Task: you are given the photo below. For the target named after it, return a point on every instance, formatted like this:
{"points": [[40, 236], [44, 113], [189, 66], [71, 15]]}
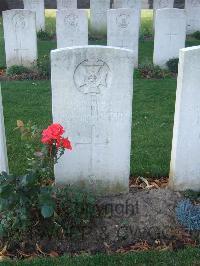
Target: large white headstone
{"points": [[3, 148], [185, 159], [170, 34], [127, 4], [38, 7], [123, 29], [92, 89], [98, 16], [20, 37], [62, 4], [71, 27], [192, 8]]}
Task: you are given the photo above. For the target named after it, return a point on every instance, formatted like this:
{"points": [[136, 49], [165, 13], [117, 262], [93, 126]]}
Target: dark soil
{"points": [[139, 220]]}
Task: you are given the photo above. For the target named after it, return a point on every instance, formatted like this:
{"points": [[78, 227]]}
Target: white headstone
{"points": [[92, 89], [127, 4], [170, 34], [63, 4], [3, 148], [20, 37], [38, 7], [192, 8], [123, 29], [185, 159], [98, 16], [71, 27]]}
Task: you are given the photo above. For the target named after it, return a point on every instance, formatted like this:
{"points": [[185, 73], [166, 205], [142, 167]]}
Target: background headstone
{"points": [[62, 4], [20, 37], [3, 148], [127, 4], [123, 29], [185, 159], [92, 89], [71, 27], [159, 4], [98, 16], [192, 8], [38, 7], [170, 34]]}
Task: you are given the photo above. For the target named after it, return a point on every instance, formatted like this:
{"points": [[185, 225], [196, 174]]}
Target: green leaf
{"points": [[47, 211], [6, 191]]}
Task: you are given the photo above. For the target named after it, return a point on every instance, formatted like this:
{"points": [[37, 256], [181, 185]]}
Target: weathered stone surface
{"points": [[170, 34], [20, 37], [98, 16], [71, 27], [62, 4], [123, 29], [3, 148], [92, 91], [192, 8], [185, 160], [38, 7]]}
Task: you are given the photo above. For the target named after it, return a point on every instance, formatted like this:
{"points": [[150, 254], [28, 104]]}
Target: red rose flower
{"points": [[53, 134], [47, 137], [66, 144], [56, 130]]}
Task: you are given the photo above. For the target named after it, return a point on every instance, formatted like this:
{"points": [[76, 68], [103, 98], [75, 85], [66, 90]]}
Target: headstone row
{"points": [[71, 29], [98, 9], [92, 99]]}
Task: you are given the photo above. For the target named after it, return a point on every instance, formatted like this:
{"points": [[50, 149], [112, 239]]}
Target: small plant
{"points": [[172, 65], [44, 35], [18, 70], [30, 199], [145, 33], [192, 195], [188, 215], [149, 71], [196, 35], [75, 210], [31, 207], [44, 67]]}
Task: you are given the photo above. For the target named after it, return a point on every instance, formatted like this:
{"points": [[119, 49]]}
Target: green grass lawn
{"points": [[186, 257], [153, 107]]}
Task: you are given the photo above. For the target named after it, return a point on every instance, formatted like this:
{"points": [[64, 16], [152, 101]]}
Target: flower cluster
{"points": [[53, 136]]}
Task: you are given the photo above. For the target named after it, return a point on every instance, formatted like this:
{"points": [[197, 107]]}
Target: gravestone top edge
{"points": [[92, 47], [120, 9], [174, 10], [18, 10], [190, 49], [70, 9]]}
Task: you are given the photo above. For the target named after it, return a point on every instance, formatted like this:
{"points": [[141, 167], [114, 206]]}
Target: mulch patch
{"points": [[25, 76], [49, 248]]}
